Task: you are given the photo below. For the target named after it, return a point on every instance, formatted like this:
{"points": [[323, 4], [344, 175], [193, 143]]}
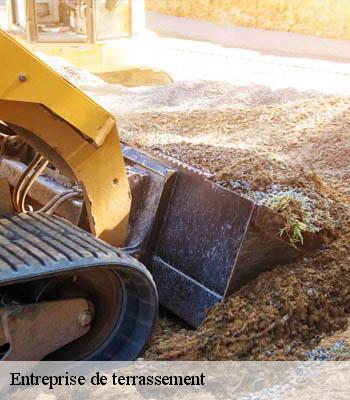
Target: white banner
{"points": [[174, 380]]}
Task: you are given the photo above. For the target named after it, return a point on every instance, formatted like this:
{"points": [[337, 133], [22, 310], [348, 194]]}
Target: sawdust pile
{"points": [[261, 143]]}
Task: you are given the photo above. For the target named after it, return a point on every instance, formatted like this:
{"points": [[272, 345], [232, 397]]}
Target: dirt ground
{"points": [[257, 141], [303, 142]]}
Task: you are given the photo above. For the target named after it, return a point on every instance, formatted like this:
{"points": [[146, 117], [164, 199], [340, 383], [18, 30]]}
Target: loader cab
{"points": [[106, 37], [71, 21]]}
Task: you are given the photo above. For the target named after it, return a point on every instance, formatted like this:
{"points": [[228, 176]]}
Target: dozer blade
{"points": [[51, 269]]}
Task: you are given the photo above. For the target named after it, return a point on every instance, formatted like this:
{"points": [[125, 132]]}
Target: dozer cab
{"points": [[90, 226], [108, 37]]}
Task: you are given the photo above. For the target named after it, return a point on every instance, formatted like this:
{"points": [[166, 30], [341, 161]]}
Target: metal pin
{"points": [[22, 77]]}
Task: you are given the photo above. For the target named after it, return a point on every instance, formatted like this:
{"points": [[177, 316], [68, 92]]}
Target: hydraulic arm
{"points": [[69, 130]]}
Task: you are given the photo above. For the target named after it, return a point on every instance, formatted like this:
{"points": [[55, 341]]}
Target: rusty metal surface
{"points": [[195, 229], [203, 231], [198, 245], [36, 330]]}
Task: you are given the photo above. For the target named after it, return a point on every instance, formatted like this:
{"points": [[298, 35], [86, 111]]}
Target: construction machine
{"points": [[107, 37], [89, 226]]}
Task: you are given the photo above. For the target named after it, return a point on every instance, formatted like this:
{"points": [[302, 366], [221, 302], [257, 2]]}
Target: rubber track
{"points": [[34, 244]]}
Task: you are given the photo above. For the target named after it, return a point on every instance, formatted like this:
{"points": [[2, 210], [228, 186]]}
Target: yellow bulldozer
{"points": [[94, 232]]}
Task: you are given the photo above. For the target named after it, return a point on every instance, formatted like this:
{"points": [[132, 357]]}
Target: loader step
{"points": [[45, 255]]}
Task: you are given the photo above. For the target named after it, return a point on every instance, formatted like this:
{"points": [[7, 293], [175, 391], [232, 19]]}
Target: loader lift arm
{"points": [[71, 131]]}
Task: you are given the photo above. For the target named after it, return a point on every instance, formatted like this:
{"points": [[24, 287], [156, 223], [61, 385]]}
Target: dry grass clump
{"points": [[299, 217]]}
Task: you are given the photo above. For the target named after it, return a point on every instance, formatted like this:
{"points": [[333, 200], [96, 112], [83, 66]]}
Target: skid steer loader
{"points": [[82, 214]]}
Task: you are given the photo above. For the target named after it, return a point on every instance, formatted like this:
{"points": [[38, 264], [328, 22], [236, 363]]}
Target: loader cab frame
{"points": [[71, 21]]}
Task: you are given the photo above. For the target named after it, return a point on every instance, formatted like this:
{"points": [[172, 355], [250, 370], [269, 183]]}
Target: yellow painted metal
{"points": [[50, 89], [69, 129]]}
